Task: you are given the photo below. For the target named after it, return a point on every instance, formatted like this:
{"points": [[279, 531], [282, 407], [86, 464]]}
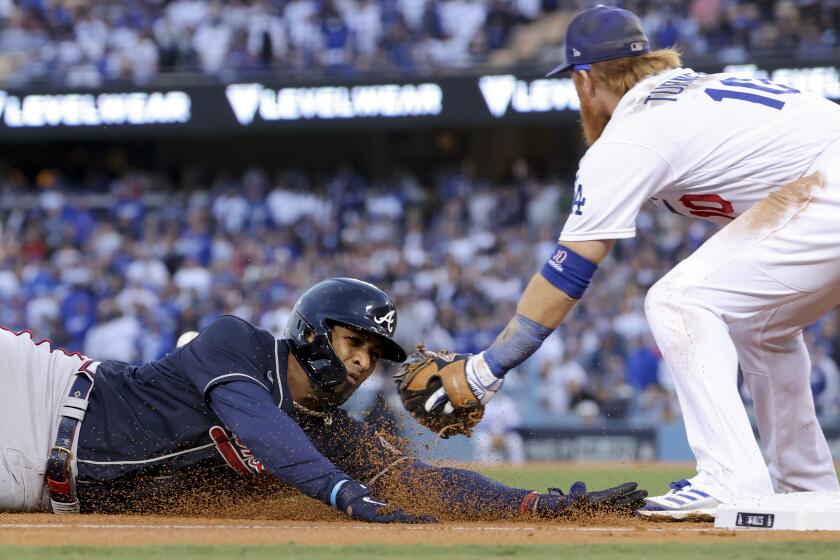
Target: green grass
{"points": [[655, 478], [736, 551]]}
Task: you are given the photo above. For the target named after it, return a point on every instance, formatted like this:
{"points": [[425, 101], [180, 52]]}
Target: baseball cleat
{"points": [[683, 502]]}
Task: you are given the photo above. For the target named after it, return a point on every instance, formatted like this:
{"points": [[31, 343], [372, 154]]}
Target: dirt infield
{"points": [[265, 512], [116, 530]]}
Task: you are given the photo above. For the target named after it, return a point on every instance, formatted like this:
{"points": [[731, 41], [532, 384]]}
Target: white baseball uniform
{"points": [[714, 146], [34, 380]]}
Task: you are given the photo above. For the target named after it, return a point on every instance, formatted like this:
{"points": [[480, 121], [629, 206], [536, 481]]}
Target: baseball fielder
{"points": [[80, 435], [761, 158]]}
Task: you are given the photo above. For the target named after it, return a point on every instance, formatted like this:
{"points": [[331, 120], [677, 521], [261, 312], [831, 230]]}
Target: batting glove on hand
{"points": [[622, 499], [483, 384], [355, 499]]}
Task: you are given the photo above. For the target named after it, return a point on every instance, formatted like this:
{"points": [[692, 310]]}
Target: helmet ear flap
{"points": [[311, 345], [308, 334]]}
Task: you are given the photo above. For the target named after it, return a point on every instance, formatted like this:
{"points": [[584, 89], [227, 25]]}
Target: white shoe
{"points": [[683, 502]]}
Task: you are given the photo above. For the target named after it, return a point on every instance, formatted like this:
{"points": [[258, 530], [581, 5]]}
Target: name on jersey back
{"points": [[672, 87]]}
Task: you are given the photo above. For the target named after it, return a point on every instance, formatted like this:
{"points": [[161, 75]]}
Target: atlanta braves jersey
{"points": [[700, 145], [221, 398]]}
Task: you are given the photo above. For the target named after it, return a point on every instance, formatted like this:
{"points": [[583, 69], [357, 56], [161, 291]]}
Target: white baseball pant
{"points": [[34, 379], [744, 297]]}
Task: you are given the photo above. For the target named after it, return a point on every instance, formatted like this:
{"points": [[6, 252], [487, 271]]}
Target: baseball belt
{"points": [[61, 482]]}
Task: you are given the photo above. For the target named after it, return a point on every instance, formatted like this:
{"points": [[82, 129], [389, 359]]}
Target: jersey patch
{"points": [[235, 453]]}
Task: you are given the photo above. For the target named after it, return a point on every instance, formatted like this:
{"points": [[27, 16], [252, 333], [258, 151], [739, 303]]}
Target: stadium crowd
{"points": [[84, 43], [118, 267]]}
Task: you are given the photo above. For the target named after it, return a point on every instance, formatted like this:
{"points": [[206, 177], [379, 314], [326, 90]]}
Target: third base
{"points": [[799, 511]]}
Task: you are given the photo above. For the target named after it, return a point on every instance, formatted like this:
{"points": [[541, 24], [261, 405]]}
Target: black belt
{"points": [[60, 480]]}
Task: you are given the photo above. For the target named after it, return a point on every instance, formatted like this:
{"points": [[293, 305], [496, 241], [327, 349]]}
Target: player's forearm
{"points": [[549, 297], [280, 444], [543, 303], [541, 309]]}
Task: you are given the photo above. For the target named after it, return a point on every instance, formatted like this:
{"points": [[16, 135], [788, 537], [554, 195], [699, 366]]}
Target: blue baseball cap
{"points": [[603, 33]]}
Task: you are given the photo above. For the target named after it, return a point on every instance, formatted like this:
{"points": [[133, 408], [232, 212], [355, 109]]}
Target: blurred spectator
{"points": [[496, 438], [115, 335], [654, 406], [84, 44], [642, 364], [825, 378], [563, 379]]}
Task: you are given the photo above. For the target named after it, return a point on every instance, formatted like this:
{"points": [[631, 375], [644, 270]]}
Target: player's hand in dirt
{"points": [[622, 499], [355, 499]]}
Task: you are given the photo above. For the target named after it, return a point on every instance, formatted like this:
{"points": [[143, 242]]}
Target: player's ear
{"points": [[583, 83], [587, 84]]}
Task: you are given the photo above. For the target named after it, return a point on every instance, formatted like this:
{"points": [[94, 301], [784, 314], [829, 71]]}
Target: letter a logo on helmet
{"points": [[387, 318]]}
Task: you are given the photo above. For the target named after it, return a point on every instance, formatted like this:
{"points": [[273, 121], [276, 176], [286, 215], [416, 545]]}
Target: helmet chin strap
{"points": [[326, 398]]}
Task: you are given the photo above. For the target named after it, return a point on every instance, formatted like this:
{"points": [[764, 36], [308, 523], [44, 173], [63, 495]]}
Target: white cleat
{"points": [[683, 502]]}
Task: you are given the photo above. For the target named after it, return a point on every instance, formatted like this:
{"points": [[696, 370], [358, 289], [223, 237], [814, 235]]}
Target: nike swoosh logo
{"points": [[368, 500]]}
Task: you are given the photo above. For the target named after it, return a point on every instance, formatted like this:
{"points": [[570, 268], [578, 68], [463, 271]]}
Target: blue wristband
{"points": [[568, 271], [334, 492]]}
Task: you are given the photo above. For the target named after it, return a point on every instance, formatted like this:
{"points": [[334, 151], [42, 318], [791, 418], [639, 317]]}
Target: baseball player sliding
{"points": [[763, 159], [76, 434]]}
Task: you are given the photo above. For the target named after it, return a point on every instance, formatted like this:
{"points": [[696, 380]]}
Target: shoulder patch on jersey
{"points": [[235, 453]]}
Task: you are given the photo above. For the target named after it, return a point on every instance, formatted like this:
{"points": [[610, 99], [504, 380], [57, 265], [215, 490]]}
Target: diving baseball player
{"points": [[759, 157], [81, 435]]}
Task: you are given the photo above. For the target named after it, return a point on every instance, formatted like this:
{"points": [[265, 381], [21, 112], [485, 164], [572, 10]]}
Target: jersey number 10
{"points": [[765, 86]]}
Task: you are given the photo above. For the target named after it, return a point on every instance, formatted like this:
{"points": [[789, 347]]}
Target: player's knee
{"points": [[663, 300]]}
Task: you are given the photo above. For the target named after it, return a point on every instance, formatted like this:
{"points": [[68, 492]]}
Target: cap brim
{"points": [[562, 68], [393, 351]]}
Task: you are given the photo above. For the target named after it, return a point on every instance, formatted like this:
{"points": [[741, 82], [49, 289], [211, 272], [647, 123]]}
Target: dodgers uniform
{"points": [[714, 147]]}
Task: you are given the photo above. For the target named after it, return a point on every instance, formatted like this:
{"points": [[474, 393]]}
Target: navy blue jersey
{"points": [[222, 398], [353, 446], [158, 416]]}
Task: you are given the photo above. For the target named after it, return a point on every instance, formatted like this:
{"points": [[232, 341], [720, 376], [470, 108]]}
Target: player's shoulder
{"points": [[230, 324], [639, 124], [232, 330]]}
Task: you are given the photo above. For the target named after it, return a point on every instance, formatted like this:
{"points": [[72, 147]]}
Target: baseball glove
{"points": [[423, 373]]}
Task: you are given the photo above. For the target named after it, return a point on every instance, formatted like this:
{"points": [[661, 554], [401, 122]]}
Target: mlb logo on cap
{"points": [[603, 33]]}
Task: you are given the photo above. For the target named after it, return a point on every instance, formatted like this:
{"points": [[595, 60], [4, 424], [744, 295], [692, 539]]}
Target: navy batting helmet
{"points": [[345, 301]]}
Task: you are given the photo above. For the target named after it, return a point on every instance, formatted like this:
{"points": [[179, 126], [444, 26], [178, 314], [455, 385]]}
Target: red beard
{"points": [[592, 121]]}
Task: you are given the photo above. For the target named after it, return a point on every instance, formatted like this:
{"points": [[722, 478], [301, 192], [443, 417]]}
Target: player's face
{"points": [[359, 351]]}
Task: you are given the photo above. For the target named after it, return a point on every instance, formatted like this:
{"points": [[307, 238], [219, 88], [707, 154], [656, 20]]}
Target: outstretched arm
{"points": [[359, 450], [286, 452], [468, 495], [550, 295]]}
